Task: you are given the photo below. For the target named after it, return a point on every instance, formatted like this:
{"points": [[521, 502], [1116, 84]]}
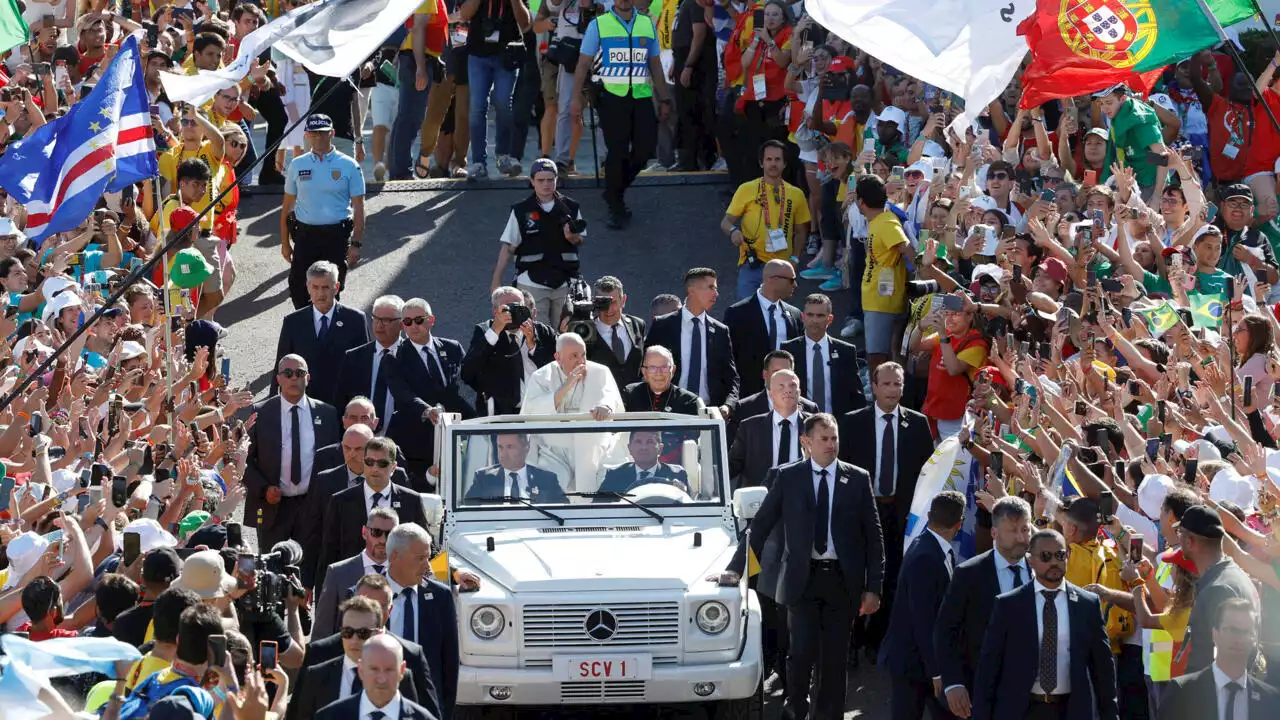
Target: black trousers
{"points": [[1131, 684], [630, 130], [911, 697], [870, 630], [271, 107], [695, 131], [312, 243], [290, 519], [774, 638], [820, 624], [761, 121], [1047, 711]]}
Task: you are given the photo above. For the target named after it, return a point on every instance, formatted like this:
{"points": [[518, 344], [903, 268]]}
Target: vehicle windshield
{"points": [[652, 464]]}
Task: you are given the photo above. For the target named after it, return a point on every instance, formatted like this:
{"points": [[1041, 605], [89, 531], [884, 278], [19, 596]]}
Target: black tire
{"points": [[469, 712]]}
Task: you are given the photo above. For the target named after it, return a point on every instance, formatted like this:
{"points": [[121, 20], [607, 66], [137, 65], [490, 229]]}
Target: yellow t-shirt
{"points": [[428, 7], [170, 204], [884, 283], [144, 668], [169, 162], [761, 208]]}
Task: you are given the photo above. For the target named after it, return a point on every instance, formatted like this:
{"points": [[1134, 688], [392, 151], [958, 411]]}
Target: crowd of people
{"points": [[1036, 465]]}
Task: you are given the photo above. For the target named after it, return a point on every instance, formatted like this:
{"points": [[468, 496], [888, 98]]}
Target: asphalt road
{"points": [[441, 245]]}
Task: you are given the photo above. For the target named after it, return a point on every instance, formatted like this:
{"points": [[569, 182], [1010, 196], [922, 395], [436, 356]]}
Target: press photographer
{"points": [[543, 233], [764, 219], [268, 609]]}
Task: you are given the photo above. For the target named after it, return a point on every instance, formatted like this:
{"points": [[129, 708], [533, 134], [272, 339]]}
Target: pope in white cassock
{"points": [[573, 385]]}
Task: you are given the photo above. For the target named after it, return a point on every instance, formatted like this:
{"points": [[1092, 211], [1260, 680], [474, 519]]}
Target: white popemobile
{"points": [[599, 594]]}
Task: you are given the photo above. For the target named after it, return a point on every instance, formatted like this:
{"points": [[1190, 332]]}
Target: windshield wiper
{"points": [[523, 501], [625, 497]]}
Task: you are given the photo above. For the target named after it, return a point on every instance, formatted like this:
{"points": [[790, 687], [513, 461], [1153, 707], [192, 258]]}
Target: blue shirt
{"points": [[591, 38], [324, 187]]}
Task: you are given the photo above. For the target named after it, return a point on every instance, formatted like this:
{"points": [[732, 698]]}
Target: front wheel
{"points": [[748, 708]]}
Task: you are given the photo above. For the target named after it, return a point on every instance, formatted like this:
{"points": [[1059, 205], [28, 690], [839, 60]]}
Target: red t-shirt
{"points": [[1241, 139], [37, 636]]}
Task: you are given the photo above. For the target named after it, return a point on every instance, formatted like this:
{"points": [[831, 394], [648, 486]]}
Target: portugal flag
{"points": [[1082, 46]]}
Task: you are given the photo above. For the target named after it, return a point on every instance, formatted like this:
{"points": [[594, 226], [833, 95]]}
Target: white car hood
{"points": [[648, 558]]}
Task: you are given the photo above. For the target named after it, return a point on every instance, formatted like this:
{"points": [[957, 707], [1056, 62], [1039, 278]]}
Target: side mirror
{"points": [[432, 510], [746, 501]]}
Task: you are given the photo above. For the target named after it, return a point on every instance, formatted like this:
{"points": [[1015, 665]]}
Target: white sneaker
{"points": [[852, 327], [477, 171], [380, 173], [508, 166], [720, 166]]}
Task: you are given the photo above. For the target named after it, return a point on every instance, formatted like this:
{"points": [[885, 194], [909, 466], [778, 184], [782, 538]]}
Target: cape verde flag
{"points": [[102, 144]]}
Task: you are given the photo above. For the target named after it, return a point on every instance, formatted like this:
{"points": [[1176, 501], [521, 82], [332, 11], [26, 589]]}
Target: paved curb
{"points": [[577, 182]]}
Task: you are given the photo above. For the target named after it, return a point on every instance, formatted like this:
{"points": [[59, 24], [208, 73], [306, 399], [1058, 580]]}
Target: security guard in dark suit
{"points": [[618, 342]]}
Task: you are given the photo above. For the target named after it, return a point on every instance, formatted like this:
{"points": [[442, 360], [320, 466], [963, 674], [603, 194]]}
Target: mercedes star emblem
{"points": [[601, 624]]}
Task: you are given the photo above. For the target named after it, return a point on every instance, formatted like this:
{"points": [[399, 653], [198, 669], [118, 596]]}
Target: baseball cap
{"points": [[840, 63], [1202, 520], [1099, 132], [1151, 493], [1236, 190], [543, 165], [986, 203], [1083, 510], [161, 565], [181, 217], [1177, 557], [152, 535], [319, 123], [1055, 269], [190, 269], [1117, 88], [1164, 101], [191, 523], [130, 349], [893, 115]]}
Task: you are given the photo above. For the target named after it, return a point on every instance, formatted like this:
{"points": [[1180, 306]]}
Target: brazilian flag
{"points": [[1206, 309], [1159, 318]]}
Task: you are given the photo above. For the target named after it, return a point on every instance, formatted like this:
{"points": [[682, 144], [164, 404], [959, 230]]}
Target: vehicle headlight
{"points": [[712, 617], [487, 622]]}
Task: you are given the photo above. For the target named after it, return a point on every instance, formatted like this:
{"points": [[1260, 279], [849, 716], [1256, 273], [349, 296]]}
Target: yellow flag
{"points": [[753, 564], [440, 567]]}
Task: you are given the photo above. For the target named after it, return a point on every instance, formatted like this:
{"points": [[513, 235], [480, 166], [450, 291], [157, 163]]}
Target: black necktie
{"points": [[695, 358], [784, 442], [376, 715], [818, 378], [433, 368], [324, 328], [1233, 689], [377, 498], [1049, 644], [951, 559], [888, 448], [644, 476], [773, 327], [357, 687], [515, 484], [1017, 575], [356, 481], [822, 514], [295, 447], [380, 387], [619, 351], [378, 569], [408, 626]]}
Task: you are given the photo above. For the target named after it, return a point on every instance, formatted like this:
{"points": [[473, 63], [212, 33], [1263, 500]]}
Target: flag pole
{"points": [[1266, 23], [1239, 60], [151, 263], [170, 399]]}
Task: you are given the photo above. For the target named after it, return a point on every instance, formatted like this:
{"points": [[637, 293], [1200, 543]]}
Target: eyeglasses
{"points": [[236, 143], [385, 319], [187, 123], [790, 279], [421, 320], [1051, 555], [291, 373], [362, 633], [371, 462], [1000, 175], [229, 98], [658, 368], [377, 532]]}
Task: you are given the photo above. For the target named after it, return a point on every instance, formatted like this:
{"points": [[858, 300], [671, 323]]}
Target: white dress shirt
{"points": [[878, 416], [1220, 680], [307, 435], [1005, 576], [830, 554], [522, 481], [369, 563], [390, 711], [776, 420], [526, 350], [765, 304], [947, 550], [825, 369], [384, 501], [653, 471], [316, 315], [1064, 638], [383, 412], [428, 355], [345, 688], [607, 331], [686, 352]]}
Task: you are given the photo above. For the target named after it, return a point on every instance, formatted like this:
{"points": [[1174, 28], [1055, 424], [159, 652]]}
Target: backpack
{"points": [[155, 686]]}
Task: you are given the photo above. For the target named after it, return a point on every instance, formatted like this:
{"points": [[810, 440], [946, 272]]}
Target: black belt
{"points": [[1058, 699], [825, 565]]}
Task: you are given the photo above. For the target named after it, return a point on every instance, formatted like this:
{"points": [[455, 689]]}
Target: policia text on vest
{"points": [[624, 44]]}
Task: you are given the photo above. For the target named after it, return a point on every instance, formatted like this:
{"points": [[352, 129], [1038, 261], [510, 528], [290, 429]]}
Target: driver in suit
{"points": [[645, 447], [513, 476]]}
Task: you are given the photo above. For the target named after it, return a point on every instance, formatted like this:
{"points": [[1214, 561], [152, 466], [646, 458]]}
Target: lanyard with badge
{"points": [[759, 87], [776, 240], [1236, 123]]}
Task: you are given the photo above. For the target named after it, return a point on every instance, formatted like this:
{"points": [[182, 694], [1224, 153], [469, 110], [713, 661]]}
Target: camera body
{"points": [[520, 313], [277, 575]]}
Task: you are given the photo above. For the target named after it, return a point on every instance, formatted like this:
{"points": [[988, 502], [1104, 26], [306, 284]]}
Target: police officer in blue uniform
{"points": [[323, 213]]}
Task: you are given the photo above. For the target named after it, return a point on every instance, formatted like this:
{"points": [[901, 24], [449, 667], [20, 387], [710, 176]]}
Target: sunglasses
{"points": [[377, 532], [1050, 180], [291, 373], [998, 176], [187, 123], [415, 321], [383, 463], [385, 319], [230, 98], [362, 633], [236, 143], [1051, 555]]}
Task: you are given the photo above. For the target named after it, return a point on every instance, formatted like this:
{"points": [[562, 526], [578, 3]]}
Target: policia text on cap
{"points": [[323, 213], [630, 68]]}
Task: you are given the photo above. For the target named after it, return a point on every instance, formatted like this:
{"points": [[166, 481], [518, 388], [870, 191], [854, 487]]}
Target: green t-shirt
{"points": [[1206, 283], [1134, 129]]}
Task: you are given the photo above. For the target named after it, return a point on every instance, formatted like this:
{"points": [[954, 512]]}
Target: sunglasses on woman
{"points": [[362, 633]]}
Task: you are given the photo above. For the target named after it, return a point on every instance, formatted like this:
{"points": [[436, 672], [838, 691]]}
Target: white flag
{"points": [[329, 37], [978, 56]]}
